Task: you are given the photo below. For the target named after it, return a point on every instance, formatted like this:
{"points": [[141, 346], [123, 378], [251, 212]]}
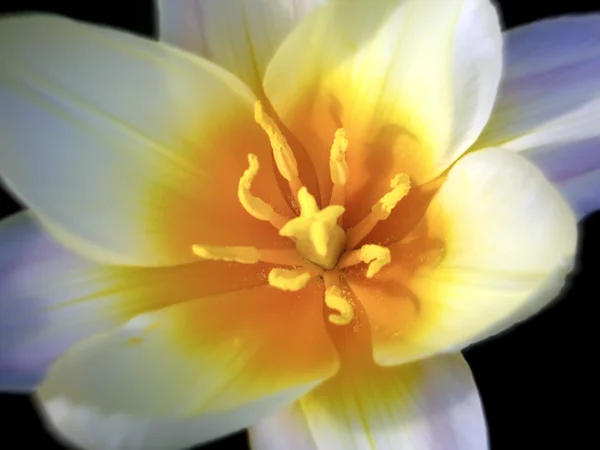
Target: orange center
{"points": [[324, 247]]}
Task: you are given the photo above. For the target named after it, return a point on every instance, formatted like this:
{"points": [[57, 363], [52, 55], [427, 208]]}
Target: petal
{"points": [[239, 35], [412, 83], [130, 152], [52, 298], [36, 276], [432, 404], [91, 429], [574, 168], [505, 240], [200, 358], [549, 104]]}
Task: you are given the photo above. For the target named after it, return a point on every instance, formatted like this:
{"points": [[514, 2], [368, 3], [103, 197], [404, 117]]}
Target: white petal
{"points": [[120, 144], [36, 277], [286, 430], [193, 362], [412, 82], [549, 104], [432, 404], [91, 429], [240, 35], [504, 241]]}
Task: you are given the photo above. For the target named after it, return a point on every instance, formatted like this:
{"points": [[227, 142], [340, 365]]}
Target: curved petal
{"points": [[52, 298], [239, 35], [91, 429], [412, 82], [36, 276], [495, 246], [432, 404], [200, 358], [549, 104], [129, 152]]}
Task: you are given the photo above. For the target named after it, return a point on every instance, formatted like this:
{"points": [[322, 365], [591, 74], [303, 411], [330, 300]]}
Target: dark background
{"points": [[538, 382]]}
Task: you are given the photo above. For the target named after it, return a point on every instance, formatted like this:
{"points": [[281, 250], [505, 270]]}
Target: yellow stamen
{"points": [[243, 255], [250, 255], [256, 207], [335, 299], [282, 153], [317, 235], [338, 169], [376, 257], [289, 280], [400, 185]]}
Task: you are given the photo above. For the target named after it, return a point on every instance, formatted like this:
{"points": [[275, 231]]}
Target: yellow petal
{"points": [[239, 35], [129, 151], [495, 246], [420, 406], [200, 358], [412, 82]]}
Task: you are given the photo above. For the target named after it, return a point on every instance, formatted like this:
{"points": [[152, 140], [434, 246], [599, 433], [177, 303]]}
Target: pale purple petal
{"points": [[549, 104], [36, 276]]}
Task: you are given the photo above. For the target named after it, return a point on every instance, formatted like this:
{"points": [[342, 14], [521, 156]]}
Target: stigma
{"points": [[323, 247]]}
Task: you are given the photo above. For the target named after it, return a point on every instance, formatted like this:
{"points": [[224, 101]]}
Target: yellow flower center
{"points": [[323, 246]]}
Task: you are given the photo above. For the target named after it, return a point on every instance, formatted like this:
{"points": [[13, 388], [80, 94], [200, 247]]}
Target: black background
{"points": [[538, 382]]}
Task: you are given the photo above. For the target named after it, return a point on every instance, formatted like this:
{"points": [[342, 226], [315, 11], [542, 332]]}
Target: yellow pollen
{"points": [[243, 255], [317, 235], [399, 187], [289, 280], [376, 257], [282, 153]]}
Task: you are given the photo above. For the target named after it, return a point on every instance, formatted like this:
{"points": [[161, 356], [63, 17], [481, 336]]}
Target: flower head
{"points": [[313, 216]]}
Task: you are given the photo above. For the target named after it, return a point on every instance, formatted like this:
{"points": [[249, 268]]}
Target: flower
{"points": [[298, 231]]}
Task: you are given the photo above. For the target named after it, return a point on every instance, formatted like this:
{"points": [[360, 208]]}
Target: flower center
{"points": [[323, 246]]}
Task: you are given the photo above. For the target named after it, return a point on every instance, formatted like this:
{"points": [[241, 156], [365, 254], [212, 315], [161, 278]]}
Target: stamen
{"points": [[243, 255], [282, 153], [282, 257], [289, 280], [400, 185], [376, 257], [335, 299], [248, 255], [256, 207], [338, 168]]}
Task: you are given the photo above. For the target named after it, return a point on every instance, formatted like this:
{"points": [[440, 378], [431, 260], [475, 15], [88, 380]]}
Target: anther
{"points": [[291, 280], [282, 153], [338, 169], [400, 185], [256, 207], [336, 300]]}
